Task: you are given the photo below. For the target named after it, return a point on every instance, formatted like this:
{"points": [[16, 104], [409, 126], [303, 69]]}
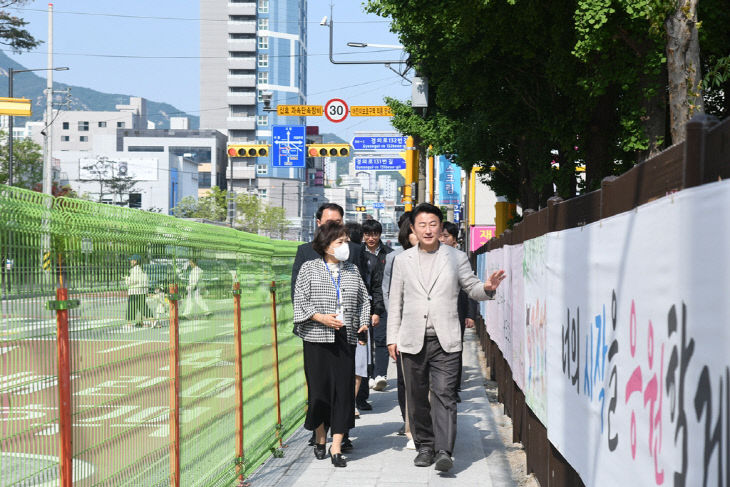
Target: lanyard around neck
{"points": [[335, 284]]}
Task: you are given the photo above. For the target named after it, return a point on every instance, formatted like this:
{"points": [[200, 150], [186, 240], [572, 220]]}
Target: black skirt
{"points": [[330, 372]]}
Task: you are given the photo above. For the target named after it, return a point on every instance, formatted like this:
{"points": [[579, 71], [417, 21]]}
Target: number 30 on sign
{"points": [[336, 110]]}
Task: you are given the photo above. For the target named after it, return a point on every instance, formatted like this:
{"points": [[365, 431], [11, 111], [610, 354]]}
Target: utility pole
{"points": [[48, 139], [10, 130]]}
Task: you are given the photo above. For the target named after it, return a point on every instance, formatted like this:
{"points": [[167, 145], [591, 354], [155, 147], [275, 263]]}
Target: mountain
{"points": [[31, 86]]}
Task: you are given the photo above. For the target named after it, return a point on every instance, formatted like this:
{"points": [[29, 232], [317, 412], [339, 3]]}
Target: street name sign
{"points": [[379, 163], [288, 142], [300, 110], [379, 143], [378, 205]]}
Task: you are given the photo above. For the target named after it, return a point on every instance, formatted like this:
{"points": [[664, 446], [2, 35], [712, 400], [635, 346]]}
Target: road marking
{"points": [[121, 347]]}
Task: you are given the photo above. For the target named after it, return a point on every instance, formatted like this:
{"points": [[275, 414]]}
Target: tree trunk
{"points": [[683, 67], [655, 120], [599, 139]]}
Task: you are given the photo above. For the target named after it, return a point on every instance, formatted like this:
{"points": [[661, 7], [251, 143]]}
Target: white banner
{"points": [[139, 169], [626, 341]]}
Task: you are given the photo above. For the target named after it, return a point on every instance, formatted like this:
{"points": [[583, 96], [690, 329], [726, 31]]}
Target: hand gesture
{"points": [[330, 320], [494, 281], [362, 328]]}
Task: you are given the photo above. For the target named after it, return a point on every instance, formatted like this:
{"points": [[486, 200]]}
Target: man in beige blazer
{"points": [[425, 334]]}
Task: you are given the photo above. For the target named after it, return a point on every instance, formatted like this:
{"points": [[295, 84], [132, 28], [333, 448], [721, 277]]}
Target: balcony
{"points": [[242, 80], [241, 123], [241, 27], [240, 8], [242, 99], [248, 172], [242, 62]]}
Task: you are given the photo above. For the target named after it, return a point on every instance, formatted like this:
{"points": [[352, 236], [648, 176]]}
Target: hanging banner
{"points": [[481, 234], [449, 182]]}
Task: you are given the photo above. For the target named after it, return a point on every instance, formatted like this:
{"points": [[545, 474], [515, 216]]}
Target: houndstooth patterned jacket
{"points": [[315, 292]]}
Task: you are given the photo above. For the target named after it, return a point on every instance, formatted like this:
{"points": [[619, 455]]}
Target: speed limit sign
{"points": [[336, 110]]}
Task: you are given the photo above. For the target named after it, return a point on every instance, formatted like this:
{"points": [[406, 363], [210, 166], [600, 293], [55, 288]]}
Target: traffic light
{"points": [[361, 209], [328, 150], [248, 150]]}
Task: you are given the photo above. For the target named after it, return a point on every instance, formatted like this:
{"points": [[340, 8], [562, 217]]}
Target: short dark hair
{"points": [[403, 233], [426, 208], [354, 230], [372, 226], [326, 234], [329, 206], [453, 229], [405, 217]]}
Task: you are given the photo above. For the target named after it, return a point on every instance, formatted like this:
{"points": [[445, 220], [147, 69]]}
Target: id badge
{"points": [[340, 314]]}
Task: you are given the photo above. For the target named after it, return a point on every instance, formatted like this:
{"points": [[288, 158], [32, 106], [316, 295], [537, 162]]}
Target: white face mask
{"points": [[342, 253]]}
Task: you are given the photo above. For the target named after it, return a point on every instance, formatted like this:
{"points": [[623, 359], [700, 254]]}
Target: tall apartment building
{"points": [[248, 48]]}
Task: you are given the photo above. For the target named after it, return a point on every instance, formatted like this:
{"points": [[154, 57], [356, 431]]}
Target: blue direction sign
{"points": [[378, 205], [288, 144], [379, 143], [379, 163]]}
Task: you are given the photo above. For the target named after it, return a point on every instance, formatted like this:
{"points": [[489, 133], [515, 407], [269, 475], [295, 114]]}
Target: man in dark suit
{"points": [[325, 213]]}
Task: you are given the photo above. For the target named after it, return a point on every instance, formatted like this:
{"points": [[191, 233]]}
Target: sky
{"points": [[151, 48]]}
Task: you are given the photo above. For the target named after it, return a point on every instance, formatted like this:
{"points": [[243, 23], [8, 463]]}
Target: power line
{"points": [[187, 19]]}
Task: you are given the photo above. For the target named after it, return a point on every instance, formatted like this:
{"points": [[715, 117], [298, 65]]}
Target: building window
{"points": [[65, 138], [203, 180], [145, 148], [102, 124], [262, 120], [263, 60], [263, 24], [83, 126], [65, 125], [263, 6], [135, 200], [84, 138], [120, 125], [263, 77], [259, 96], [263, 192], [263, 42], [261, 169]]}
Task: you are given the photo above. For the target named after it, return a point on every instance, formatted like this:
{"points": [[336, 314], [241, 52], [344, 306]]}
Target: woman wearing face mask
{"points": [[331, 307]]}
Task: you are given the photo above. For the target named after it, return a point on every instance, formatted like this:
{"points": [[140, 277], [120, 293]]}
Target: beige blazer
{"points": [[412, 300]]}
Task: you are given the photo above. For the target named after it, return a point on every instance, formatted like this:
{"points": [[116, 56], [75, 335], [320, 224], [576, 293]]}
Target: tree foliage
{"points": [[12, 28], [27, 163], [112, 179], [525, 84]]}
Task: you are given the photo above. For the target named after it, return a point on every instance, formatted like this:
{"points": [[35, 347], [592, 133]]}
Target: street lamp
{"points": [[368, 44], [12, 72]]}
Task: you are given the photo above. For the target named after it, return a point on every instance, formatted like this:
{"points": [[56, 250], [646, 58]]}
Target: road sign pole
{"points": [[174, 392]]}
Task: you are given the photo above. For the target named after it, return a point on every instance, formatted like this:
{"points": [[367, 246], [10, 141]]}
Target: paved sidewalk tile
{"points": [[380, 458]]}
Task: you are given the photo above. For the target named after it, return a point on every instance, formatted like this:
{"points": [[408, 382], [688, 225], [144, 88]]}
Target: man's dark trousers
{"points": [[433, 423]]}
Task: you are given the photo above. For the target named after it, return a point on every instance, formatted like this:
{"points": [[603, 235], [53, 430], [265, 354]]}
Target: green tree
{"points": [[273, 221], [112, 178], [12, 28], [27, 163], [209, 207]]}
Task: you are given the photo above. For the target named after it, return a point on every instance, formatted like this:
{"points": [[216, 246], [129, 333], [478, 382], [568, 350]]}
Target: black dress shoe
{"points": [[312, 439], [364, 406], [346, 444], [337, 459], [443, 461], [402, 430], [320, 452], [424, 458]]}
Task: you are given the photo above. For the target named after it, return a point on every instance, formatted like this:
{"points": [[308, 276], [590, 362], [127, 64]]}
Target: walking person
{"points": [[195, 284], [330, 308], [466, 307], [424, 329], [137, 288], [374, 254], [327, 212]]}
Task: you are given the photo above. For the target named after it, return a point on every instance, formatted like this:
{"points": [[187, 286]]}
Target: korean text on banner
{"points": [[449, 182]]}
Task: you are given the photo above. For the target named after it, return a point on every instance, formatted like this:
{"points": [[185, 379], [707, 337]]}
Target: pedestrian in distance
{"points": [[330, 308], [195, 286], [374, 254], [466, 307], [137, 286], [423, 327]]}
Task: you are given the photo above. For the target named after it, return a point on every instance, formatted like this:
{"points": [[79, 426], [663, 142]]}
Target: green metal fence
{"points": [[123, 414]]}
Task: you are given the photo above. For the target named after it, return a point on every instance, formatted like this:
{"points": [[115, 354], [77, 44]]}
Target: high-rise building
{"points": [[251, 48]]}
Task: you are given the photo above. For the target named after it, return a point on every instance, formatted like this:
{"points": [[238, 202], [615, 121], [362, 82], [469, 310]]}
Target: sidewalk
{"points": [[379, 457]]}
